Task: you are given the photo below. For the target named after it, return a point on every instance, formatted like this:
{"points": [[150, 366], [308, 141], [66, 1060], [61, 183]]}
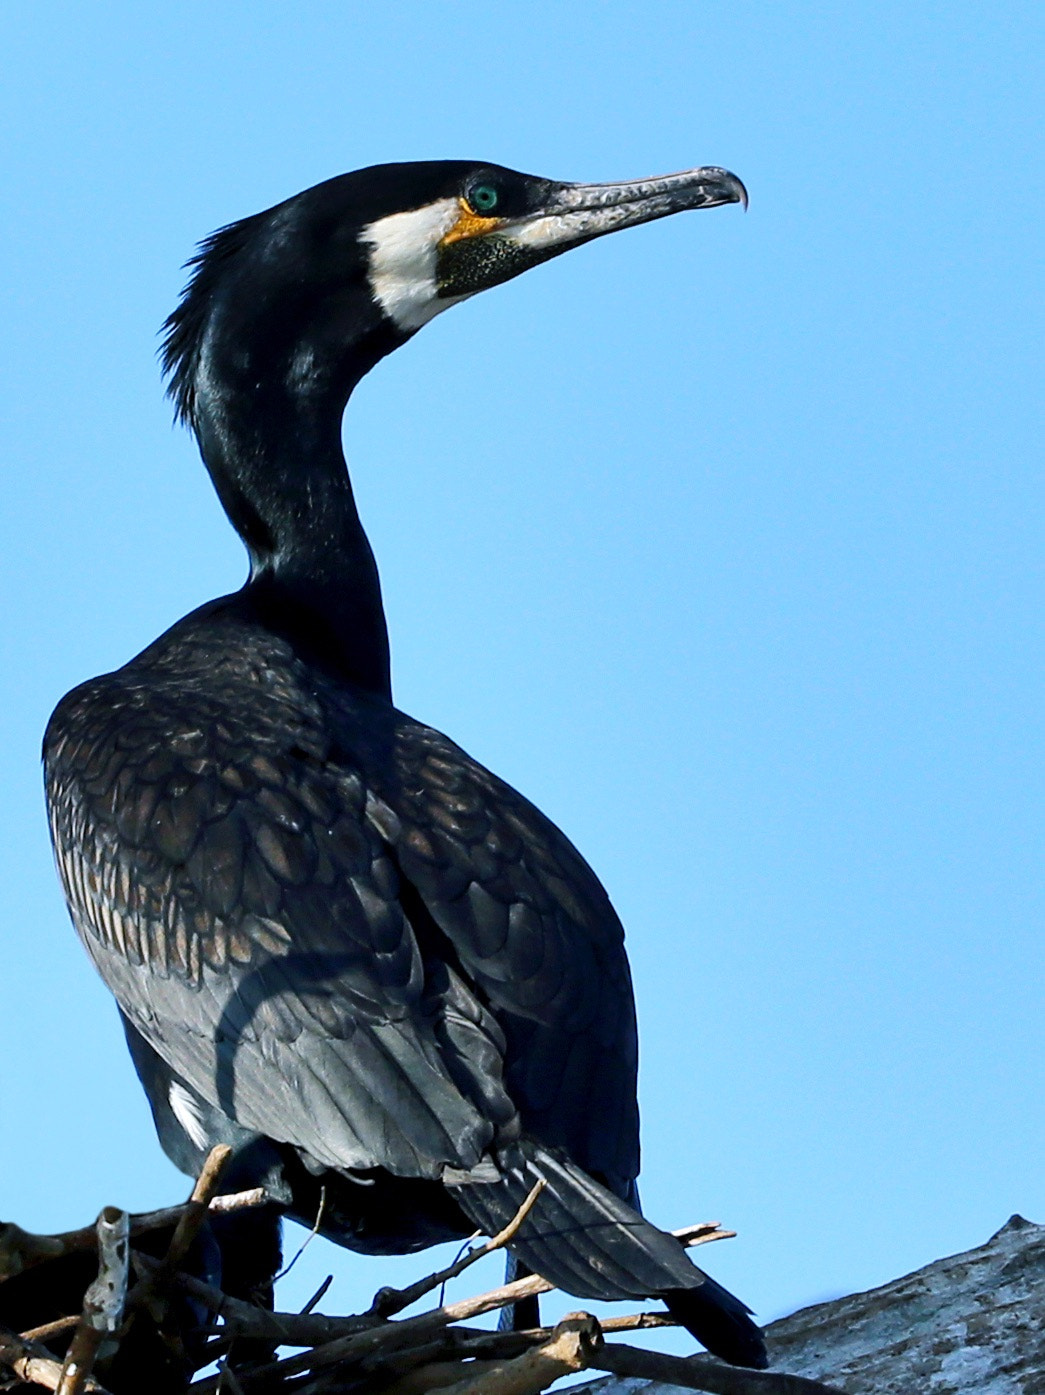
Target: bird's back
{"points": [[330, 922]]}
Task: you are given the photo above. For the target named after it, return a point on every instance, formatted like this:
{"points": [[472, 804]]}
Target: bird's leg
{"points": [[250, 1246], [525, 1313]]}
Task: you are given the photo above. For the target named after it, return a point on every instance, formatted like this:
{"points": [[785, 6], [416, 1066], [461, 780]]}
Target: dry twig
{"points": [[190, 1222], [702, 1233], [34, 1364], [638, 1322], [22, 1249], [195, 1210], [388, 1301], [49, 1330], [317, 1296]]}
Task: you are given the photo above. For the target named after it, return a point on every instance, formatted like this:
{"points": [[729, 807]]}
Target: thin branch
{"points": [[34, 1364], [702, 1233], [79, 1360], [637, 1322], [459, 1253], [22, 1249], [318, 1295], [388, 1301], [500, 1297], [308, 1238], [702, 1373], [195, 1213], [49, 1330], [103, 1303], [190, 1222], [220, 1205]]}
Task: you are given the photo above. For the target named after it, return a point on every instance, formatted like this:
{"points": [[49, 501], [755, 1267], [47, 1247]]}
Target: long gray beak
{"points": [[566, 215], [578, 212]]}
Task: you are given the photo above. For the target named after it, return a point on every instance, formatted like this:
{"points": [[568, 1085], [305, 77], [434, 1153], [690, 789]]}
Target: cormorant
{"points": [[337, 942]]}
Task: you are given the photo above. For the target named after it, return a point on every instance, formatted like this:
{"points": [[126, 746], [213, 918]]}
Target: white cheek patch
{"points": [[188, 1114], [403, 252]]}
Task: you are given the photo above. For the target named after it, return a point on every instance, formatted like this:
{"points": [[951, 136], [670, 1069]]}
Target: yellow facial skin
{"points": [[470, 224]]}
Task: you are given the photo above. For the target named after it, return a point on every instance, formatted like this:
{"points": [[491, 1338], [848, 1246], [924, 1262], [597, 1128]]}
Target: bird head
{"points": [[311, 293], [486, 224]]}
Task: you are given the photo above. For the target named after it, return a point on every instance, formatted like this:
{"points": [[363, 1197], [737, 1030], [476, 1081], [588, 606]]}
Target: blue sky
{"points": [[720, 539]]}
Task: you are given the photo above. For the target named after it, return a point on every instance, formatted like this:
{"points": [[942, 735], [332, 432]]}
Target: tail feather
{"points": [[585, 1240], [719, 1321]]}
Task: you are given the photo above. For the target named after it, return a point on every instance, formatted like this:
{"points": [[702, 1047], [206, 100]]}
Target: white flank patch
{"points": [[485, 1170], [403, 250], [188, 1113]]}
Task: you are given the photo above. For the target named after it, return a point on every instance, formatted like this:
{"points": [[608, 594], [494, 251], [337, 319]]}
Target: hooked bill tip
{"points": [[736, 187]]}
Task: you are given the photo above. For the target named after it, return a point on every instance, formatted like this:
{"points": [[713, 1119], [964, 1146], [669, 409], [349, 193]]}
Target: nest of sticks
{"points": [[125, 1296]]}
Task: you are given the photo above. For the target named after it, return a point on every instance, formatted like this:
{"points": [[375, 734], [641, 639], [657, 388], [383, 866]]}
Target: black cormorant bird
{"points": [[337, 942]]}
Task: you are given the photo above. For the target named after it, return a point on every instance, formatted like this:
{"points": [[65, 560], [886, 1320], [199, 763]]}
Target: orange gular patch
{"points": [[469, 224]]}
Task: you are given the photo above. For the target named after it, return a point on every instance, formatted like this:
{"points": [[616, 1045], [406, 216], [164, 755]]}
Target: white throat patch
{"points": [[403, 251]]}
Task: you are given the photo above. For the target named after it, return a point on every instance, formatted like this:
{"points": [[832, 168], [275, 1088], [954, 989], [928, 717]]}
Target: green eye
{"points": [[483, 198]]}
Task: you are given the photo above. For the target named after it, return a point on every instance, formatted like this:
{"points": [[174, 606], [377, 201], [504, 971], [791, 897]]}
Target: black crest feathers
{"points": [[185, 326]]}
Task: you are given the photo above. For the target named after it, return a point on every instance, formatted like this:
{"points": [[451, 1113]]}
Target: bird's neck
{"points": [[270, 436]]}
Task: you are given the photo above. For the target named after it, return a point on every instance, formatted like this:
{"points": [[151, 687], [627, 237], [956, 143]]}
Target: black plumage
{"points": [[338, 942]]}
